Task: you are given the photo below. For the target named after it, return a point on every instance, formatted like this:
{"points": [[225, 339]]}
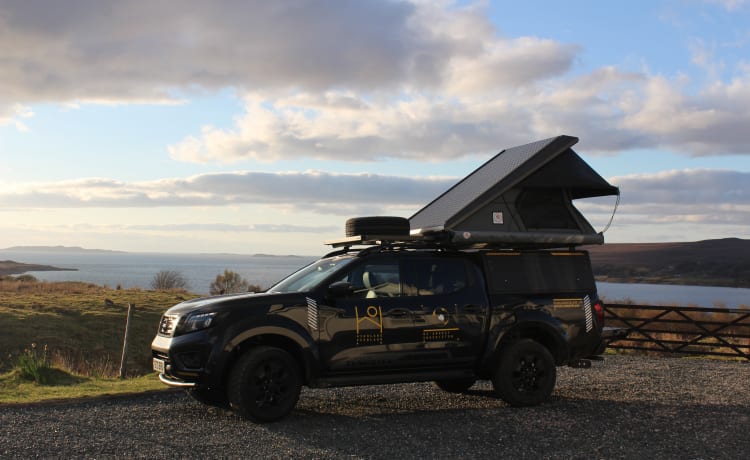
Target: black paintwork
{"points": [[341, 337]]}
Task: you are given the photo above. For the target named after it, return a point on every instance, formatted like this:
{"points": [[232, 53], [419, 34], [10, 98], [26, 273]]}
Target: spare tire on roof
{"points": [[378, 225]]}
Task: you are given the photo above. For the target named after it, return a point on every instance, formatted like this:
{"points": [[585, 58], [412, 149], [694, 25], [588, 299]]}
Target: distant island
{"points": [[80, 250], [58, 249], [9, 267], [721, 262]]}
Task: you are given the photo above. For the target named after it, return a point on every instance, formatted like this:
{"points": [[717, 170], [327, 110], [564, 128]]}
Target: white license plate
{"points": [[159, 365]]}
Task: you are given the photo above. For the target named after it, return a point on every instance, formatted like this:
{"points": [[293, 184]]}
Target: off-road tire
{"points": [[456, 385], [264, 384], [525, 374], [377, 225]]}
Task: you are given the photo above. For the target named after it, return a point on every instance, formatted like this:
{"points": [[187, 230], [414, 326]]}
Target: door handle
{"points": [[472, 309], [398, 312]]}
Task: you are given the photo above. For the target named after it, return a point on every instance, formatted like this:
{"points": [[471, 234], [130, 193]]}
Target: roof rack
{"points": [[387, 240], [447, 239]]}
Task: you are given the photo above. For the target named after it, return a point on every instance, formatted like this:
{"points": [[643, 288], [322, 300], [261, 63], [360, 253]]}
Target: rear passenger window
{"points": [[539, 272], [423, 277]]}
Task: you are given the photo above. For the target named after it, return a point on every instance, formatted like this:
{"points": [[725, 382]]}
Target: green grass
{"points": [[64, 340], [14, 389]]}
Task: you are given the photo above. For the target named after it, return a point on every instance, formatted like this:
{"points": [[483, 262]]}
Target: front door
{"points": [[405, 313], [372, 328]]}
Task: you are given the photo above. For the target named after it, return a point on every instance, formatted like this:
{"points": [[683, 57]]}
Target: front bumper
{"points": [[174, 382], [184, 359]]}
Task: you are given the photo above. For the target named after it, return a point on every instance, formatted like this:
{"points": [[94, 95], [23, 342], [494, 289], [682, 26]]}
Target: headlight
{"points": [[195, 322]]}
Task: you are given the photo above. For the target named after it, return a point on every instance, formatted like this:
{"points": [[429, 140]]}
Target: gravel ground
{"points": [[624, 407]]}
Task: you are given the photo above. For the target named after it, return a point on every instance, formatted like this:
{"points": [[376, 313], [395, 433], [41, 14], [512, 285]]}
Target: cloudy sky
{"points": [[258, 126]]}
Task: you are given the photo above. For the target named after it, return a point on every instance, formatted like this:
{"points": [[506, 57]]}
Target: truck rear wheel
{"points": [[264, 384], [526, 373]]}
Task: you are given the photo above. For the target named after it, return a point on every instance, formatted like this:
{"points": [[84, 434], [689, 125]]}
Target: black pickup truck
{"points": [[388, 310]]}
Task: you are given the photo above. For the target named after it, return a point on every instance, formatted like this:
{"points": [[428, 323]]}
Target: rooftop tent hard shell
{"points": [[522, 196]]}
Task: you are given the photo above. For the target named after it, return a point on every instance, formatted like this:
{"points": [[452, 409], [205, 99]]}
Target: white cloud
{"points": [[704, 202], [729, 5], [692, 196], [14, 114], [140, 50], [231, 228], [359, 80], [325, 192]]}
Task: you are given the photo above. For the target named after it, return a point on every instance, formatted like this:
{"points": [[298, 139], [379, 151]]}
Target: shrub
{"points": [[167, 280], [229, 282], [26, 278], [33, 365]]}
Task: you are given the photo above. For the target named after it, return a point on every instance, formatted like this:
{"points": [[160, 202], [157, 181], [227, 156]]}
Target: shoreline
{"points": [[10, 267]]}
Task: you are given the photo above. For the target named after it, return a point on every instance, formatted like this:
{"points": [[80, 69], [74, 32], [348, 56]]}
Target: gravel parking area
{"points": [[624, 407]]}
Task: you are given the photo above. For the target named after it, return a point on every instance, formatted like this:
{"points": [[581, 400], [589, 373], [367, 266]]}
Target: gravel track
{"points": [[624, 407]]}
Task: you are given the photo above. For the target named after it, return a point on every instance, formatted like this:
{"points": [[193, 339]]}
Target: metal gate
{"points": [[682, 330]]}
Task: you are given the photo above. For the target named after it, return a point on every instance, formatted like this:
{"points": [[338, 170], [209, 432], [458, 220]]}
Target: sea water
{"points": [[129, 270]]}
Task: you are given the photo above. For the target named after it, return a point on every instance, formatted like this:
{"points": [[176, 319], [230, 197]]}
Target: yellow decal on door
{"points": [[440, 335], [366, 333]]}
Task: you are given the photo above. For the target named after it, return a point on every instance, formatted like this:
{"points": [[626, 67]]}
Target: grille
{"points": [[167, 325]]}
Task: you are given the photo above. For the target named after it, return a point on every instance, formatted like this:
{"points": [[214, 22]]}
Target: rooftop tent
{"points": [[521, 196]]}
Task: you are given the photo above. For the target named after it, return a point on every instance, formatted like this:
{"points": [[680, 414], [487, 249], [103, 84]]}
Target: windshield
{"points": [[310, 276]]}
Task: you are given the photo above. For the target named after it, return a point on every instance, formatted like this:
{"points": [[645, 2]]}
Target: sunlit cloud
{"points": [[324, 192]]}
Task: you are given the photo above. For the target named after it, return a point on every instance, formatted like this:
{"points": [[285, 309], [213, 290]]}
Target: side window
{"points": [[379, 278], [424, 277]]}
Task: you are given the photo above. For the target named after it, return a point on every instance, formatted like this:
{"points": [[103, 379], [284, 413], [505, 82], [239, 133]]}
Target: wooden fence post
{"points": [[131, 307]]}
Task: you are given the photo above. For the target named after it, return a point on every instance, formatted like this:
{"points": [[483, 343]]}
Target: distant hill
{"points": [[722, 262], [62, 249]]}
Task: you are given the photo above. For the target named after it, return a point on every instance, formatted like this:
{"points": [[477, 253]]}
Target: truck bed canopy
{"points": [[521, 196]]}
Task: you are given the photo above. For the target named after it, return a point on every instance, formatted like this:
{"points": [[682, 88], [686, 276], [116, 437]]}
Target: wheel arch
{"points": [[297, 346], [552, 338]]}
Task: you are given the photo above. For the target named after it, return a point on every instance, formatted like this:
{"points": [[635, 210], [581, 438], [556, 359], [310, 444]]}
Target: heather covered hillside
{"points": [[722, 262]]}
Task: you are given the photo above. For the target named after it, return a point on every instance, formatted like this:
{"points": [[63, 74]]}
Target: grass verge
{"points": [[81, 325], [65, 386], [64, 340]]}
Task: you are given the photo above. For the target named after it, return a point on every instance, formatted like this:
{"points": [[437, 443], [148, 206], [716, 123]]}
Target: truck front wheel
{"points": [[526, 374], [264, 384]]}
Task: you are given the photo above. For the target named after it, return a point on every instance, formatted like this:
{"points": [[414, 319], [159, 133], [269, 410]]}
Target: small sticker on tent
{"points": [[497, 217]]}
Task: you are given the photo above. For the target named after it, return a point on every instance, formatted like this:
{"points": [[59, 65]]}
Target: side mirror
{"points": [[340, 289]]}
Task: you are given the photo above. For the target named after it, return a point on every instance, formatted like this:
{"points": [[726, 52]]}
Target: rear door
{"points": [[450, 308]]}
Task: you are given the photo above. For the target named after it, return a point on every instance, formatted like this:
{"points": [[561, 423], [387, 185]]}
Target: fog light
{"points": [[190, 360]]}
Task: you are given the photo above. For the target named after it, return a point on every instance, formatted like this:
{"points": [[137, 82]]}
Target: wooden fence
{"points": [[681, 330]]}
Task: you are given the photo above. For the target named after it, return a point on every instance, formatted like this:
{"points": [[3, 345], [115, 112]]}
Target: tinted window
{"points": [[433, 276], [539, 272], [375, 278], [391, 277]]}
